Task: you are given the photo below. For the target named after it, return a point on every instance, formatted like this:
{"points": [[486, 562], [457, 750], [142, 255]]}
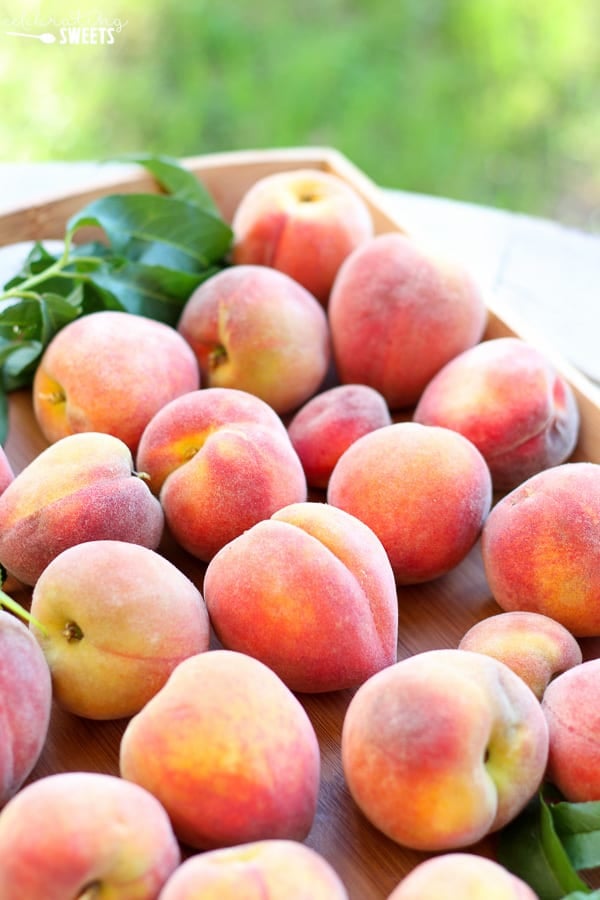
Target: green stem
{"points": [[57, 268], [20, 611]]}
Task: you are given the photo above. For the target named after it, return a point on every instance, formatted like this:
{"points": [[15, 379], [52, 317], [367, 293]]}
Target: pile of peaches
{"points": [[325, 424]]}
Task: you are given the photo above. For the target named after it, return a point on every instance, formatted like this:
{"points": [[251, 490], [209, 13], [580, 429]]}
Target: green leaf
{"points": [[583, 895], [199, 235], [578, 827], [174, 178], [530, 847], [37, 260], [153, 291]]}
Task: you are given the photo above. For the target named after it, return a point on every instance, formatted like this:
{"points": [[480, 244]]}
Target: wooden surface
{"points": [[431, 615]]}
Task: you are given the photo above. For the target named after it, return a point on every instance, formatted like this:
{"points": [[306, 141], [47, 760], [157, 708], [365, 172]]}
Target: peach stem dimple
{"points": [[72, 632], [217, 357]]}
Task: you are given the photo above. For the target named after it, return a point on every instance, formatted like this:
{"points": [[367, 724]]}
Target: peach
{"points": [[509, 400], [228, 750], [463, 875], [25, 702], [83, 487], [398, 313], [443, 748], [425, 492], [303, 222], [319, 603], [262, 870], [571, 705], [7, 473], [540, 547], [534, 646], [220, 460], [328, 423], [77, 834], [256, 329], [110, 371], [111, 643]]}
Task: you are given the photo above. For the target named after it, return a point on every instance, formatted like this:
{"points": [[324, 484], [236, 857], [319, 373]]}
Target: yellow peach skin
{"points": [[83, 487], [263, 870], [509, 400], [398, 313], [77, 834], [443, 748], [228, 750], [221, 460], [534, 646], [117, 619], [304, 223], [257, 330], [540, 547], [25, 704], [319, 603], [461, 875], [110, 371], [424, 491]]}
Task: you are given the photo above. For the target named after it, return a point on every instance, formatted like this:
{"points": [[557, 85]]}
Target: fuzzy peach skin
{"points": [[541, 551], [81, 488], [228, 750], [262, 870], [304, 222], [509, 400], [258, 330], [398, 313], [25, 704], [319, 603], [328, 423], [571, 705], [443, 748], [110, 371], [77, 834], [461, 875], [424, 491], [534, 646], [220, 460], [118, 618]]}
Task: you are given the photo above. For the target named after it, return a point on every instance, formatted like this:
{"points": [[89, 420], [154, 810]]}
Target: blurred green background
{"points": [[489, 101]]}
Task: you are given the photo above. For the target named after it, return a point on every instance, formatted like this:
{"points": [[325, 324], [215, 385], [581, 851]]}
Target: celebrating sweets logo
{"points": [[78, 28]]}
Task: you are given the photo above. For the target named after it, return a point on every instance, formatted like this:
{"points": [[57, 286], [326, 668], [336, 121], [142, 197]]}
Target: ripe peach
{"points": [[398, 313], [509, 400], [258, 330], [6, 470], [83, 487], [571, 705], [534, 646], [463, 875], [328, 423], [303, 222], [228, 750], [77, 834], [110, 371], [424, 491], [262, 870], [319, 604], [443, 748], [111, 643], [25, 702], [540, 547], [221, 460]]}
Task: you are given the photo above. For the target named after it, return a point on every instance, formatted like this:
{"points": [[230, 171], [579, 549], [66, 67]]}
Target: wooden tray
{"points": [[431, 615]]}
